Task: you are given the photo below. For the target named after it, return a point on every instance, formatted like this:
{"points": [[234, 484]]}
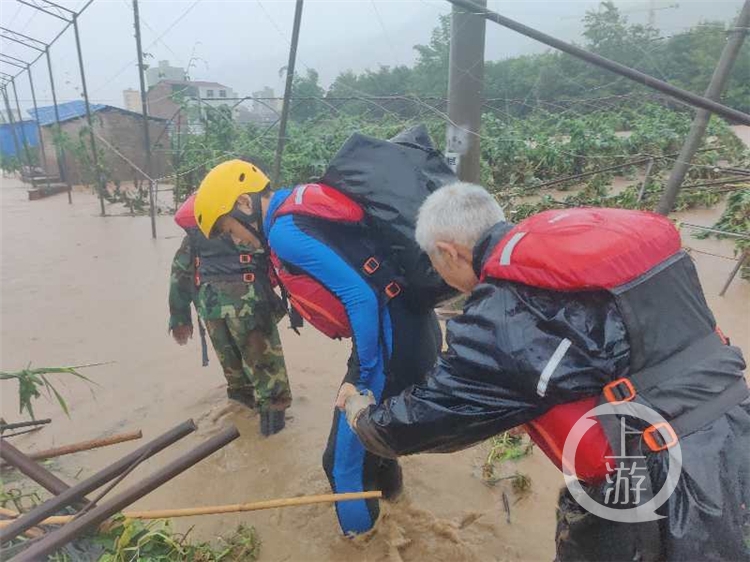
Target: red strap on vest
{"points": [[323, 201]]}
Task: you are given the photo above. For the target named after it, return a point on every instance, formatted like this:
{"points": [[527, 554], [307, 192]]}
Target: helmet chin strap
{"points": [[254, 221]]}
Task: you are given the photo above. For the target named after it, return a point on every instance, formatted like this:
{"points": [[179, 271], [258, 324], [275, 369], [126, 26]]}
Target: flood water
{"points": [[77, 288]]}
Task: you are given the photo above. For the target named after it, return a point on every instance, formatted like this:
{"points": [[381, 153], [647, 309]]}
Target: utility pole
{"points": [[287, 93], [700, 121], [144, 110], [465, 85]]}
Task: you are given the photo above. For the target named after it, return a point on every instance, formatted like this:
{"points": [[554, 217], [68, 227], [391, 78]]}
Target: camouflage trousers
{"points": [[252, 359]]}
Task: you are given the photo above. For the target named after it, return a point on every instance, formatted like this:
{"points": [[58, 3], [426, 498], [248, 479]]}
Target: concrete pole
{"points": [[465, 85], [144, 110], [287, 93], [700, 121]]}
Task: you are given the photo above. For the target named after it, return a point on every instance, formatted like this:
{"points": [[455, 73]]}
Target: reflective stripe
{"points": [[549, 368], [559, 217], [298, 193], [509, 247]]}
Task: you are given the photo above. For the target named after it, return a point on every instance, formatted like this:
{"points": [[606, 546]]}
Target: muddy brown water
{"points": [[77, 288]]}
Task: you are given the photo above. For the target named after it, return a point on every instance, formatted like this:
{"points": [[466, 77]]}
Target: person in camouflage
{"points": [[240, 311]]}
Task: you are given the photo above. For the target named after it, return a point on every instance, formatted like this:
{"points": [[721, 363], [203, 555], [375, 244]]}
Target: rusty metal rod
{"points": [[93, 518], [85, 445], [37, 473], [95, 481]]}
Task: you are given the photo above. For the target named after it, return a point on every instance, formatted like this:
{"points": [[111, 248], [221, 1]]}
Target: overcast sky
{"points": [[244, 43]]}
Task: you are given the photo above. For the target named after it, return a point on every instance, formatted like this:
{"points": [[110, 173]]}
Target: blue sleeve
{"points": [[294, 246]]}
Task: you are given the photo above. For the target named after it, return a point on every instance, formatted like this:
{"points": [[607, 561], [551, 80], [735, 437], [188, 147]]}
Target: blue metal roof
{"points": [[68, 110]]}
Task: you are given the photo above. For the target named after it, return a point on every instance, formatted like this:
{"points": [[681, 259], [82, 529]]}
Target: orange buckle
{"points": [[393, 290], [371, 266], [619, 391], [246, 258], [248, 277], [656, 440]]}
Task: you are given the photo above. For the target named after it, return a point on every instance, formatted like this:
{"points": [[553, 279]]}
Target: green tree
{"points": [[306, 86]]}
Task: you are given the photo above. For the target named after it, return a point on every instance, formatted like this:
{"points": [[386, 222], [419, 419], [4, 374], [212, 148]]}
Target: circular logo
{"points": [[624, 477]]}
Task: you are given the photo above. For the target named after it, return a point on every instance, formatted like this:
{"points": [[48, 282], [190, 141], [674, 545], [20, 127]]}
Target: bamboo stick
{"points": [[230, 508], [85, 445], [33, 533]]}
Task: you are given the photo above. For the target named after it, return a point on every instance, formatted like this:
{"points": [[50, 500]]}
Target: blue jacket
{"points": [[296, 242]]}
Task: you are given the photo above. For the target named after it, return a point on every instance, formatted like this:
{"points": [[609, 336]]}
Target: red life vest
{"points": [[578, 250], [314, 302]]}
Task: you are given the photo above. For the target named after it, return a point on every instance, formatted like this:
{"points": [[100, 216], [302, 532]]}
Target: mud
{"points": [[77, 288]]}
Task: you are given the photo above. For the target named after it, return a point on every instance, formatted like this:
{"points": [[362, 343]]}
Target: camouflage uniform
{"points": [[241, 321]]}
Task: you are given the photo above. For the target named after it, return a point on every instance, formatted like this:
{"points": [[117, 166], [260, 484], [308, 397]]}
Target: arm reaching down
{"points": [[300, 249], [509, 360]]}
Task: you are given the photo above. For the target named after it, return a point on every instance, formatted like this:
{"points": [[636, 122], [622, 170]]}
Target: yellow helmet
{"points": [[220, 189]]}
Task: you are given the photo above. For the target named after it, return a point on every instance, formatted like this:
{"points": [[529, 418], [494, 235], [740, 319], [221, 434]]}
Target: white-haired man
{"points": [[567, 309]]}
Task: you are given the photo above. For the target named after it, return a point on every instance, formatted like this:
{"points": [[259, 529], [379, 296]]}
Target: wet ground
{"points": [[77, 288]]}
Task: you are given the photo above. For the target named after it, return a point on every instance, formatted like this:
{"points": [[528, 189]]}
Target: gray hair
{"points": [[459, 212]]}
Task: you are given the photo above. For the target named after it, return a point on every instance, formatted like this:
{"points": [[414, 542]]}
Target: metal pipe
{"points": [[23, 136], [33, 470], [96, 516], [144, 110], [53, 505], [17, 34], [287, 92], [12, 123], [598, 60], [94, 154], [38, 126], [734, 273], [58, 131]]}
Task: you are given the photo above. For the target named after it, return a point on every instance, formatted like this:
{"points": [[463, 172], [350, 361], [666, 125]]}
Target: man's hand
{"points": [[347, 389], [356, 404], [182, 334]]}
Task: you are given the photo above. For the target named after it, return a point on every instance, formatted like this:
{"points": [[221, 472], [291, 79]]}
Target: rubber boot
{"points": [[272, 421], [390, 479]]}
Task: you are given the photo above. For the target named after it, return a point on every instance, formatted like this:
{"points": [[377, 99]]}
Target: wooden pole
{"points": [[85, 445], [230, 508]]}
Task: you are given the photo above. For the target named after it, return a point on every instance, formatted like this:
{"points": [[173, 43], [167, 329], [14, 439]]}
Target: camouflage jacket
{"points": [[218, 299]]}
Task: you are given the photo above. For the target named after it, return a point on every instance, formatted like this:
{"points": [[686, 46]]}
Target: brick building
{"points": [[122, 129]]}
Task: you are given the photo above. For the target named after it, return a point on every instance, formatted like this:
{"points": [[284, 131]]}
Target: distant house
{"points": [[120, 128]]}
